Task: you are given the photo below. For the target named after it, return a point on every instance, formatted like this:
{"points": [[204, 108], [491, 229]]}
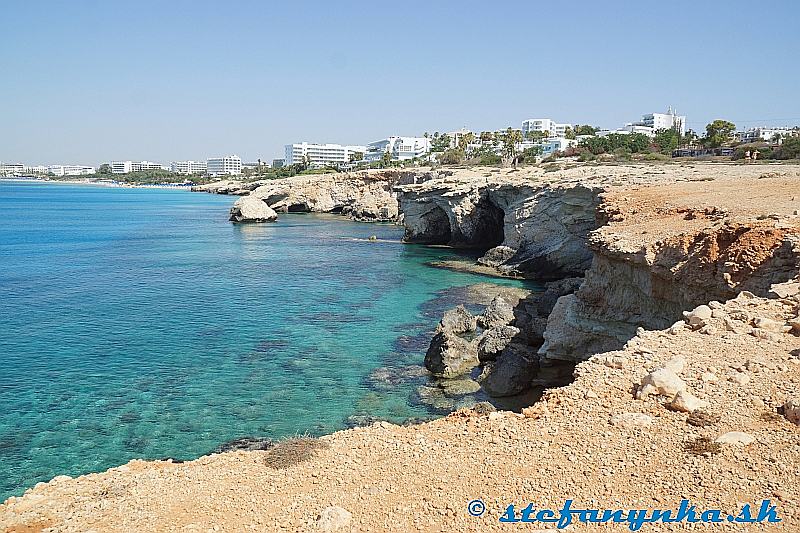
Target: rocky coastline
{"points": [[671, 314]]}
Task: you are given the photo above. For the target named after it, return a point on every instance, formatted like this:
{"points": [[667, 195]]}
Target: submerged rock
{"points": [[245, 444], [252, 209]]}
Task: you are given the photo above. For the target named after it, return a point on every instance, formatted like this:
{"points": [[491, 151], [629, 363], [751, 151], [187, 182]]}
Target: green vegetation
{"points": [[529, 155], [718, 133], [452, 156], [440, 142], [790, 149], [510, 138], [584, 130], [634, 143], [667, 140], [535, 136]]}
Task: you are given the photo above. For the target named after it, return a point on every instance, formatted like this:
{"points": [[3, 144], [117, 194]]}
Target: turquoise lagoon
{"points": [[139, 323]]}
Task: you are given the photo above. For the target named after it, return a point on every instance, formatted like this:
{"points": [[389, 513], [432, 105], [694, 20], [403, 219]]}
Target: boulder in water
{"points": [[449, 355], [252, 209]]}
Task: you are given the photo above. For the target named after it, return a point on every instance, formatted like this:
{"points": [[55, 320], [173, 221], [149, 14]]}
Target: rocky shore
{"points": [[668, 339]]}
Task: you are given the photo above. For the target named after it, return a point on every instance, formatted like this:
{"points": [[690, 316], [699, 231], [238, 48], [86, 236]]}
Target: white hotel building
{"points": [[544, 125], [69, 170], [400, 148], [189, 167], [126, 167], [664, 121], [321, 155], [230, 165]]}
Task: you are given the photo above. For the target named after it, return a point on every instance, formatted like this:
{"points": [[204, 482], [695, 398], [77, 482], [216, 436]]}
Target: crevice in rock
{"points": [[435, 228], [489, 225], [298, 208]]}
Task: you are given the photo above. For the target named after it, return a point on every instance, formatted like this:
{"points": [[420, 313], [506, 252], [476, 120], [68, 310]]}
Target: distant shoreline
{"points": [[98, 183]]}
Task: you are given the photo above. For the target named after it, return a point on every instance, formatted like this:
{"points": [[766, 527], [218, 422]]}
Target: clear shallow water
{"points": [[139, 323]]}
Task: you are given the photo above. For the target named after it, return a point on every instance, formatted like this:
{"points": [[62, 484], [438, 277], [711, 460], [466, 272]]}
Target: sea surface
{"points": [[139, 323]]}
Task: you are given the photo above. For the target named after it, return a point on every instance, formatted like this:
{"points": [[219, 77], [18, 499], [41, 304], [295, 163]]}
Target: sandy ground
{"points": [[592, 441]]}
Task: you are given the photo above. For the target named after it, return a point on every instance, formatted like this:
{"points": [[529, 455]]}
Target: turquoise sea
{"points": [[139, 323]]}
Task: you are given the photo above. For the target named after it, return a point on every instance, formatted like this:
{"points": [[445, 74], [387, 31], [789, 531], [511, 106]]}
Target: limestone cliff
{"points": [[366, 196], [697, 255], [539, 231]]}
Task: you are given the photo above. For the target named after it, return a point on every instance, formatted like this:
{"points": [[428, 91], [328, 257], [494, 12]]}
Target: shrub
{"points": [[294, 451], [790, 149], [452, 156], [703, 446], [622, 154], [655, 156], [490, 159]]}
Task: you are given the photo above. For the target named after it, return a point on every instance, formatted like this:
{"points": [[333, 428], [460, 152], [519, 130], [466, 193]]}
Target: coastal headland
{"points": [[673, 300]]}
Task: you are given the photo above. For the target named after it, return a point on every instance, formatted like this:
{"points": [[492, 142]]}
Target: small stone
{"points": [[631, 420], [740, 378], [709, 377], [718, 313], [677, 328], [536, 411], [791, 410], [699, 316], [767, 324], [708, 329], [662, 381], [676, 364], [333, 518], [735, 437], [687, 402]]}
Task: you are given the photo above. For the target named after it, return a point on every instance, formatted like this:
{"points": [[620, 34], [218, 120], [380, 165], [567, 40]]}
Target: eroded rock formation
{"points": [[537, 231], [635, 282], [252, 209]]}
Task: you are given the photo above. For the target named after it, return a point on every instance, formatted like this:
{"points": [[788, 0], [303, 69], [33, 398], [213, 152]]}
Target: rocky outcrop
{"points": [[511, 373], [633, 283], [252, 209], [366, 196], [450, 354], [537, 231]]}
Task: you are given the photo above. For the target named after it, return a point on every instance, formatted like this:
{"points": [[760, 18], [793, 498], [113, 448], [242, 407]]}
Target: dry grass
{"points": [[703, 446], [702, 419], [770, 416], [294, 451]]}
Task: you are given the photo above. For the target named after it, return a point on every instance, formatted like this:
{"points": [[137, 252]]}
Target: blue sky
{"points": [[90, 81]]}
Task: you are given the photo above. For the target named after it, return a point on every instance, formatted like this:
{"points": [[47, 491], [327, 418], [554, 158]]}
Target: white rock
{"points": [[739, 378], [677, 328], [709, 377], [791, 410], [676, 364], [687, 402], [252, 209], [631, 420], [611, 361], [735, 437], [767, 324], [699, 316], [662, 381], [333, 518]]}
